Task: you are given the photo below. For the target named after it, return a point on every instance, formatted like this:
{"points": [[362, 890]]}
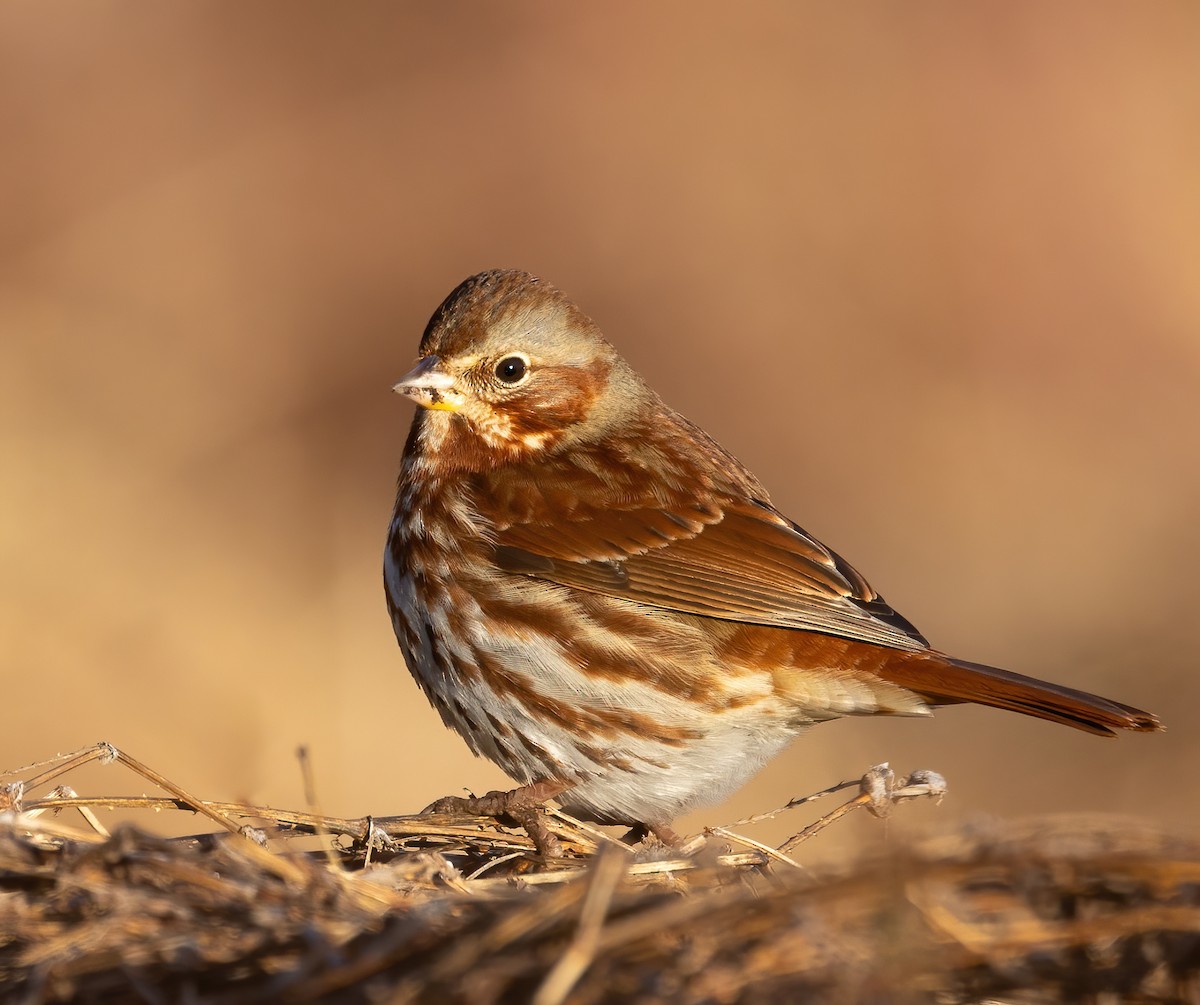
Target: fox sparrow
{"points": [[603, 601]]}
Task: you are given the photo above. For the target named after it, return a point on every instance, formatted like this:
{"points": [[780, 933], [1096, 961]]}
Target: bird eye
{"points": [[511, 369]]}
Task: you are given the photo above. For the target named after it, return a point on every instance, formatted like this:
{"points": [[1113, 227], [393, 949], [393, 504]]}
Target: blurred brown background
{"points": [[932, 271]]}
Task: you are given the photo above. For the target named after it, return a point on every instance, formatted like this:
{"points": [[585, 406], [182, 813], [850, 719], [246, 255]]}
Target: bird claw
{"points": [[524, 806]]}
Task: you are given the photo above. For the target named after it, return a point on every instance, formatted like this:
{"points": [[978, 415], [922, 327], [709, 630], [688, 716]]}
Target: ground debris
{"points": [[1052, 910]]}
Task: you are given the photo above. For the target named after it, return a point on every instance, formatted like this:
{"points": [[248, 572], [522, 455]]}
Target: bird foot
{"points": [[665, 835], [523, 806]]}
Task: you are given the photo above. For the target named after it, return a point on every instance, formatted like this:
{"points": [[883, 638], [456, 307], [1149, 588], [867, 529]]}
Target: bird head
{"points": [[510, 367]]}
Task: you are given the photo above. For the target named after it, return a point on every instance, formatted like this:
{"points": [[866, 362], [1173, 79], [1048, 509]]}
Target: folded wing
{"points": [[733, 559]]}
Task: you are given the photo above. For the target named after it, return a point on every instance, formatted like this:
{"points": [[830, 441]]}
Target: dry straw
{"points": [[296, 906]]}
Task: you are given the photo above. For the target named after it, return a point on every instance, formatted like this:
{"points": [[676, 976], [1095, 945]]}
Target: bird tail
{"points": [[941, 680]]}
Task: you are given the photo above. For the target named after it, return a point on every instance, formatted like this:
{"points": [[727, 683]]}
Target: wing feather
{"points": [[740, 560]]}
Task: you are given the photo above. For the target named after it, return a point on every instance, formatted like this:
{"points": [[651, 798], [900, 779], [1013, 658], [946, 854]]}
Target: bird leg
{"points": [[524, 806]]}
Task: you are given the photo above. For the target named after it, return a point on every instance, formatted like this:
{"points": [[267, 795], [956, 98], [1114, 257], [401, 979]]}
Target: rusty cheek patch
{"points": [[556, 398]]}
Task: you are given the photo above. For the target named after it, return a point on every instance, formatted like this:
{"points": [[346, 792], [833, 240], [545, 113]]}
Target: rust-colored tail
{"points": [[943, 680]]}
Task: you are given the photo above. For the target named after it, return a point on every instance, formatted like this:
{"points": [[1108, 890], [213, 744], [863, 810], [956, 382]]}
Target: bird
{"points": [[605, 602]]}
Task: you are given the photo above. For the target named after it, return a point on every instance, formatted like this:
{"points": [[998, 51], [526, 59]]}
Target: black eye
{"points": [[510, 369]]}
